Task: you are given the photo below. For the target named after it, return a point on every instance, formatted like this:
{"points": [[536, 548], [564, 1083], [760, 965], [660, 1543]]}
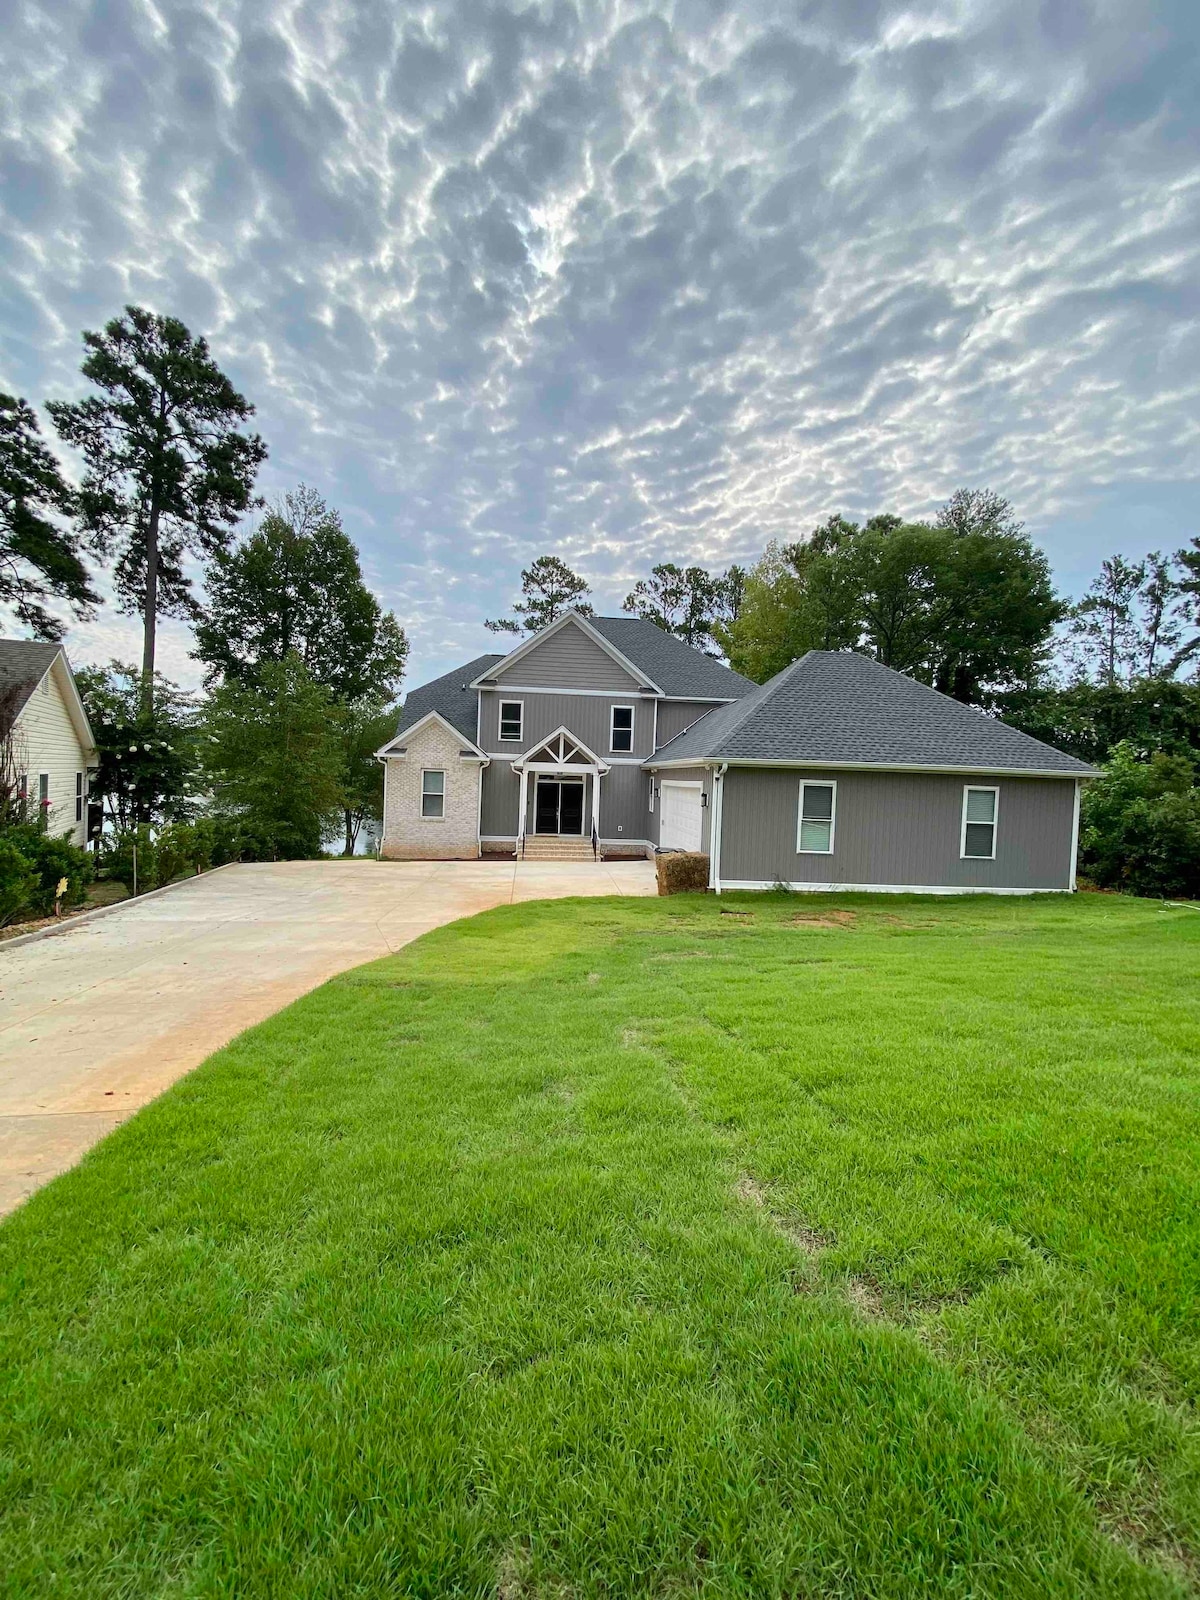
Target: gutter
{"points": [[714, 843]]}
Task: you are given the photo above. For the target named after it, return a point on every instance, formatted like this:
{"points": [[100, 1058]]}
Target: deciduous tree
{"points": [[168, 471], [147, 771], [296, 585]]}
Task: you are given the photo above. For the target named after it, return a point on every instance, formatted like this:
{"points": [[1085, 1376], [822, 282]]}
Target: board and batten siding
{"points": [[674, 716], [47, 741], [587, 716], [568, 659], [896, 829]]}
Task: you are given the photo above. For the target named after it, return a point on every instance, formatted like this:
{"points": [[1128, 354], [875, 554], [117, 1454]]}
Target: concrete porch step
{"points": [[548, 847]]}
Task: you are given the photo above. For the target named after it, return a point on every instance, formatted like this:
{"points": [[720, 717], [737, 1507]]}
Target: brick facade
{"points": [[407, 835]]}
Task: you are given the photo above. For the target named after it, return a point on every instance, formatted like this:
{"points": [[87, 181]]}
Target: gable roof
{"points": [[23, 665], [680, 671], [837, 708], [451, 696], [585, 625]]}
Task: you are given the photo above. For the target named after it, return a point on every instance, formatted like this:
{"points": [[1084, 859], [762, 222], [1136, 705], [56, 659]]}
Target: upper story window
{"points": [[433, 794], [621, 732], [512, 718], [818, 804], [980, 808]]}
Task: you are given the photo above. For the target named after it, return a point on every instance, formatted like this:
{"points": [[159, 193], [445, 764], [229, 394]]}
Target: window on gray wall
{"points": [[621, 734], [814, 835], [511, 717], [979, 823]]}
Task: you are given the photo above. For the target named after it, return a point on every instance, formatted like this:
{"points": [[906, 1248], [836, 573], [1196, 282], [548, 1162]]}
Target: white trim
{"points": [[715, 827], [508, 838], [635, 672], [878, 888], [565, 737], [979, 788], [441, 815], [701, 700], [1075, 836], [612, 725], [865, 766], [654, 731], [815, 783], [540, 688], [609, 761], [678, 783], [500, 705], [388, 751]]}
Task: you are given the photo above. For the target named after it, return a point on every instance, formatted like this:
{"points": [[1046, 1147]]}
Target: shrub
{"points": [[1140, 826], [118, 858], [18, 881], [218, 840], [681, 871], [52, 857]]}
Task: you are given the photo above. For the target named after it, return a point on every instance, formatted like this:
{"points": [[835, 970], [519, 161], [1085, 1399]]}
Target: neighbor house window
{"points": [[817, 805], [433, 794], [511, 718], [43, 788], [979, 823], [79, 797], [621, 735]]}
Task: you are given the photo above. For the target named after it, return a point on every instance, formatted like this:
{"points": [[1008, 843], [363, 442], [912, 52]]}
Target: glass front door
{"points": [[558, 806]]}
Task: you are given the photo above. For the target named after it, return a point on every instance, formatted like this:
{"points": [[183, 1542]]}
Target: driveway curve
{"points": [[100, 1018]]}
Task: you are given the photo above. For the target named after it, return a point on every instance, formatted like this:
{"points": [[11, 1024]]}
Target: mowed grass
{"points": [[768, 1246]]}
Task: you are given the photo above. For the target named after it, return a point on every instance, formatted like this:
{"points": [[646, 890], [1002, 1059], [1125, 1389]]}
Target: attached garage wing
{"points": [[681, 819]]}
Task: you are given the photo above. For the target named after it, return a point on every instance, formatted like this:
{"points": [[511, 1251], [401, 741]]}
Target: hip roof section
{"points": [[835, 708]]}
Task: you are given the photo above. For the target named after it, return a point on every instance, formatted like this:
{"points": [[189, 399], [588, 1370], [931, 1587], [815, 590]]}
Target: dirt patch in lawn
{"points": [[827, 919]]}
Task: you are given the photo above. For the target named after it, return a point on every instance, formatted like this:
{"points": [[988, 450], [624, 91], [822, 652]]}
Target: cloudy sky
{"points": [[631, 282]]}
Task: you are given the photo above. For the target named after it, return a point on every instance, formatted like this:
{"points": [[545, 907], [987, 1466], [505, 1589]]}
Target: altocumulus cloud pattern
{"points": [[629, 282]]}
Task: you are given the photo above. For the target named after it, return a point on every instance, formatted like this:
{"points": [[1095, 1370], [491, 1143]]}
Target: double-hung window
{"points": [[433, 794], [621, 731], [511, 720], [818, 803], [980, 807], [79, 797]]}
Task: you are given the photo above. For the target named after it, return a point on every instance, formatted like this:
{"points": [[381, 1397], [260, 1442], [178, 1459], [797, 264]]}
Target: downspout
{"points": [[714, 843], [1075, 834]]}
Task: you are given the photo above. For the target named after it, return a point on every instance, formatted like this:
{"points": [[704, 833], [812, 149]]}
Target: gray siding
{"points": [[896, 828], [568, 660], [624, 803], [676, 715], [585, 715], [701, 775]]}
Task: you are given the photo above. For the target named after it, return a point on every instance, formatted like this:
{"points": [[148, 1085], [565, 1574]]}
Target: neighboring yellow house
{"points": [[51, 748]]}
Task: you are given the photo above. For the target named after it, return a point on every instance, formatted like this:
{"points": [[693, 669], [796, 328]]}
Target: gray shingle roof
{"points": [[23, 662], [450, 696], [675, 667], [833, 707]]}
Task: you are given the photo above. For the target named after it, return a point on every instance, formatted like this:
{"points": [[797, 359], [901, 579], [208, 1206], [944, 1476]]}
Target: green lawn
{"points": [[769, 1246]]}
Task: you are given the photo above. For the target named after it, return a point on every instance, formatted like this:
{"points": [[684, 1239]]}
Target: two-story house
{"points": [[607, 734]]}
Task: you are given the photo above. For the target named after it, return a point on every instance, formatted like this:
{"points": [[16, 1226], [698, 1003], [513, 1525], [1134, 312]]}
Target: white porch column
{"points": [[521, 807]]}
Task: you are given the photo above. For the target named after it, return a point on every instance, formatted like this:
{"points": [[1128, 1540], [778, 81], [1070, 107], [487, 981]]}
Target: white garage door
{"points": [[680, 826]]}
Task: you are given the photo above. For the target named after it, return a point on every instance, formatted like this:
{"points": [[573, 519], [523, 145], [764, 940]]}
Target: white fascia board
{"points": [[526, 645], [870, 766], [65, 678], [387, 751], [562, 731]]}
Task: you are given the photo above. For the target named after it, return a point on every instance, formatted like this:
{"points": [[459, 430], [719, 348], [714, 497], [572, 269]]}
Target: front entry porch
{"points": [[559, 805]]}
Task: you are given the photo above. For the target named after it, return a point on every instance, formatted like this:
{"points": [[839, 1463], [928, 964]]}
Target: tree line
{"points": [[302, 666]]}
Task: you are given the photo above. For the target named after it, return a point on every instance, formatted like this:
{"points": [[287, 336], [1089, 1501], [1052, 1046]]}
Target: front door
{"points": [[558, 807]]}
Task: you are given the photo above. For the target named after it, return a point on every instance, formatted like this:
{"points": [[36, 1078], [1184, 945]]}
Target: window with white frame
{"points": [[512, 718], [433, 794], [814, 833], [621, 731], [79, 797], [43, 789], [980, 807]]}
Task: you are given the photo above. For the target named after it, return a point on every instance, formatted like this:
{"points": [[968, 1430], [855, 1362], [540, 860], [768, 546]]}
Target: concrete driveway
{"points": [[99, 1019]]}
